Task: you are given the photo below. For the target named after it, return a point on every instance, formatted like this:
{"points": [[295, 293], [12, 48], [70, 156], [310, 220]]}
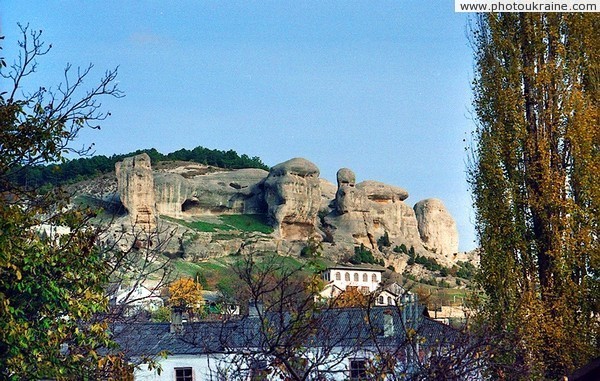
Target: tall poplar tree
{"points": [[535, 177]]}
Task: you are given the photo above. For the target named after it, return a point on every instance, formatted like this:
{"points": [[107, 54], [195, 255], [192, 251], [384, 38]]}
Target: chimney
{"points": [[411, 314], [388, 324], [176, 320], [255, 308]]}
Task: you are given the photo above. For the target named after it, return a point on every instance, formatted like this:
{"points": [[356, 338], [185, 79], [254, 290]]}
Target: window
{"points": [[364, 289], [374, 277], [347, 277], [338, 276], [380, 300], [390, 303], [183, 374], [365, 278], [358, 369], [356, 277]]}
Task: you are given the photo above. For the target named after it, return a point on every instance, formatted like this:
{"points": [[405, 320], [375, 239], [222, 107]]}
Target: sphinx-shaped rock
{"points": [[136, 190], [293, 195], [367, 210], [436, 226]]}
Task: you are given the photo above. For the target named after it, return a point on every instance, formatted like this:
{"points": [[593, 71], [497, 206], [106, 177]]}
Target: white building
{"points": [[365, 280], [138, 298], [341, 346]]}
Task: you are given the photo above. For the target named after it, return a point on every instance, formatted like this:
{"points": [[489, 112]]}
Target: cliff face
{"points": [[292, 193], [187, 193], [366, 211], [436, 226], [136, 189], [293, 197]]}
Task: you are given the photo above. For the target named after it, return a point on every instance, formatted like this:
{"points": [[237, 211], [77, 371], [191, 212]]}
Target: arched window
{"points": [[347, 276], [380, 300], [374, 278], [338, 276], [389, 301], [356, 277], [365, 278]]}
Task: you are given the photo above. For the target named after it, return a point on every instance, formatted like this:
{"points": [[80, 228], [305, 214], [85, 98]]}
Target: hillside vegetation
{"points": [[71, 171]]}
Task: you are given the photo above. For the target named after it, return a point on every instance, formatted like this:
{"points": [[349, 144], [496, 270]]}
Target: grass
{"points": [[229, 222], [447, 296], [214, 273], [200, 226], [218, 272], [247, 222]]}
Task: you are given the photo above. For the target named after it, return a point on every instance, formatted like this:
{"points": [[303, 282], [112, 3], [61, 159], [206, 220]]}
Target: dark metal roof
{"points": [[363, 267], [340, 327]]}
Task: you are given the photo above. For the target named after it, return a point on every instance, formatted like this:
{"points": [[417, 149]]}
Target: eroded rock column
{"points": [[293, 194], [436, 226], [136, 190]]}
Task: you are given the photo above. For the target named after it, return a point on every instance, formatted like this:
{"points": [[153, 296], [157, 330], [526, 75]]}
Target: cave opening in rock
{"points": [[190, 205]]}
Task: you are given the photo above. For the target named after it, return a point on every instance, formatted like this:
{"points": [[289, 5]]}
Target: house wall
{"points": [[219, 367], [204, 368], [373, 278]]}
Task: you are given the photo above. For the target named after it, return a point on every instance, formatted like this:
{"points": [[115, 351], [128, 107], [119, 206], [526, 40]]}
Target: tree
{"points": [[350, 297], [289, 334], [534, 177], [185, 293], [52, 273]]}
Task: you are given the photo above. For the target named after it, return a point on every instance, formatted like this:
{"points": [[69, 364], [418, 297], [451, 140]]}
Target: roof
{"points": [[354, 268], [340, 327]]}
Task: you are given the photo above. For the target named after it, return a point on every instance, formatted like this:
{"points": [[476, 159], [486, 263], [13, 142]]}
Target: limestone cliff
{"points": [[192, 191], [297, 203], [436, 226], [136, 190], [293, 195], [366, 211]]}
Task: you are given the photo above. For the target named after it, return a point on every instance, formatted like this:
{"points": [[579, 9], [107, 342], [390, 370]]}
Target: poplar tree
{"points": [[535, 180]]}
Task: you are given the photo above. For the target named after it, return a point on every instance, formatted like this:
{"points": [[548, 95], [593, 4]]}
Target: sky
{"points": [[380, 87]]}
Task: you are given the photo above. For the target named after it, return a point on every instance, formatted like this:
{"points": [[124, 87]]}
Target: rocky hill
{"points": [[200, 206]]}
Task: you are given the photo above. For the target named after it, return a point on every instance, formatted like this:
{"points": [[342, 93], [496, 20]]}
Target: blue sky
{"points": [[381, 87]]}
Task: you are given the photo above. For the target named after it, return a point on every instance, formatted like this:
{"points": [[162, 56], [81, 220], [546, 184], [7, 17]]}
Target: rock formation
{"points": [[136, 189], [293, 196], [436, 226], [367, 210], [192, 192]]}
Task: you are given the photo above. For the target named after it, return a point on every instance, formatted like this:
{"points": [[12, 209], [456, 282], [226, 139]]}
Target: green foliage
{"points": [[384, 241], [465, 270], [161, 315], [401, 249], [74, 170], [362, 255], [200, 278], [312, 249], [429, 281], [51, 284], [429, 263]]}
